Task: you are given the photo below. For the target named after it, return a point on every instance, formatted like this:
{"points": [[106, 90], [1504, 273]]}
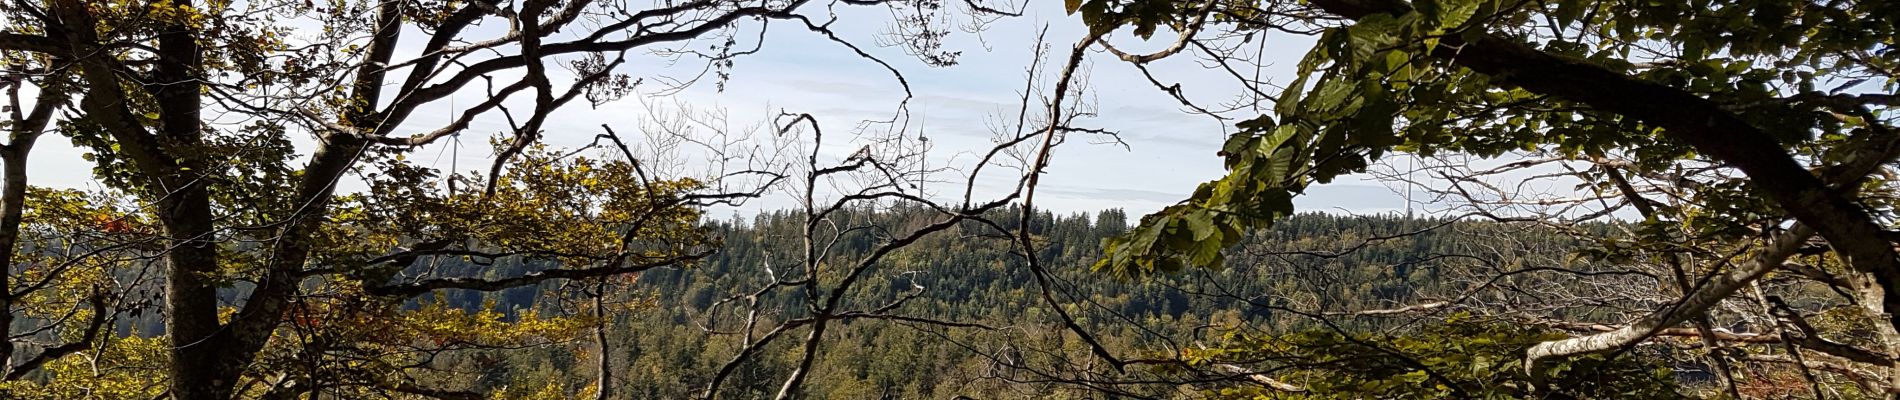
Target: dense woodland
{"points": [[664, 342], [1618, 199]]}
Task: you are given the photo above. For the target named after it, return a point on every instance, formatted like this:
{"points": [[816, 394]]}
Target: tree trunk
{"points": [[12, 208], [191, 301], [603, 370], [26, 130], [198, 371], [1873, 299]]}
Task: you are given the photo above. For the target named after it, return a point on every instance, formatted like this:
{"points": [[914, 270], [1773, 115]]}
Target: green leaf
{"points": [[1569, 12], [1202, 224], [1330, 95], [1395, 59], [1452, 13], [1273, 141]]}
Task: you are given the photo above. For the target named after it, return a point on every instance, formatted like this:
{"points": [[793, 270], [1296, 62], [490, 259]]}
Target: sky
{"points": [[1168, 150]]}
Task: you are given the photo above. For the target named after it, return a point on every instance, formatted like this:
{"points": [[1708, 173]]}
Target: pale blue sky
{"points": [[1169, 150]]}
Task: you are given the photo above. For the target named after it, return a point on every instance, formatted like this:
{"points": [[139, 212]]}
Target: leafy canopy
{"points": [[1813, 76]]}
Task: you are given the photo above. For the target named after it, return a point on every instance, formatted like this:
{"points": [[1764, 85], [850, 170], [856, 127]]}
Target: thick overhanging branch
{"points": [[32, 43], [1707, 126], [1409, 309], [1696, 303], [1698, 121], [1263, 379], [1807, 342]]}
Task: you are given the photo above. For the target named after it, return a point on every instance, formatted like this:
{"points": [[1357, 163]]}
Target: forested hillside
{"points": [[1304, 276]]}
